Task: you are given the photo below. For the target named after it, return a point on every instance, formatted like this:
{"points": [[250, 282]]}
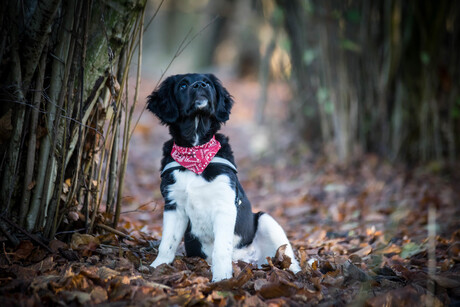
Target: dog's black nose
{"points": [[198, 84]]}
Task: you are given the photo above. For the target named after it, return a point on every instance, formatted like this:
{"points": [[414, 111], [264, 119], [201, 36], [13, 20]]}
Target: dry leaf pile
{"points": [[360, 234]]}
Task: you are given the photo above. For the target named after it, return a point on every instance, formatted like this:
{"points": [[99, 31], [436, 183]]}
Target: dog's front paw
{"points": [[222, 272], [295, 267], [159, 261], [219, 277]]}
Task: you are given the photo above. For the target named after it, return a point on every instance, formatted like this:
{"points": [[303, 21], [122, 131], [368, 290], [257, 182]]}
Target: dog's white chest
{"points": [[202, 201]]}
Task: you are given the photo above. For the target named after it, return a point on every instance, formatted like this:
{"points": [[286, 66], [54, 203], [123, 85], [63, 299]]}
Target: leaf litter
{"points": [[360, 233]]}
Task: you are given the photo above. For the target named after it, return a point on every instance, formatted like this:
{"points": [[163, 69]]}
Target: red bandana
{"points": [[196, 158]]}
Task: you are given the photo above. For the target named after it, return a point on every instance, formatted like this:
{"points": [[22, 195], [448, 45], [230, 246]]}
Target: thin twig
{"points": [[31, 150], [431, 254], [128, 117], [182, 46], [124, 85], [154, 15], [6, 254], [138, 210], [114, 231], [46, 112], [69, 231], [115, 247], [150, 21]]}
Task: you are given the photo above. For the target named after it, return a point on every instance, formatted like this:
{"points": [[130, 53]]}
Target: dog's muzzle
{"points": [[201, 90], [201, 103]]}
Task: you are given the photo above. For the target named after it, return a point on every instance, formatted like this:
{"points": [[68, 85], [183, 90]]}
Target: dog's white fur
{"points": [[211, 209]]}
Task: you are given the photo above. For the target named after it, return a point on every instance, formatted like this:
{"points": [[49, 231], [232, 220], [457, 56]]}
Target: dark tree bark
{"points": [[55, 59]]}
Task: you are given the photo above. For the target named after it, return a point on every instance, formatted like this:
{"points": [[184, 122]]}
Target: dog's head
{"points": [[180, 97]]}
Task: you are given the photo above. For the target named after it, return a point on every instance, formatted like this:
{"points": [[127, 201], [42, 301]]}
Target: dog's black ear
{"points": [[224, 100], [162, 102]]}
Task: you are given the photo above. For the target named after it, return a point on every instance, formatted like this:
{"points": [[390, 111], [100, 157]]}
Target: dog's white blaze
{"points": [[197, 139], [211, 209]]}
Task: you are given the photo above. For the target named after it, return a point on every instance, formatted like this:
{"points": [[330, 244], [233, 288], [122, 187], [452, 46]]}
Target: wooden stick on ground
{"points": [[114, 231]]}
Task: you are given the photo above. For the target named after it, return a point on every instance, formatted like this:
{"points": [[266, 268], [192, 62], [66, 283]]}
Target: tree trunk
{"points": [[55, 59], [376, 75]]}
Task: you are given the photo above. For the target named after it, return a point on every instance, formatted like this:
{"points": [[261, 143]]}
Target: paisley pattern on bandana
{"points": [[196, 158]]}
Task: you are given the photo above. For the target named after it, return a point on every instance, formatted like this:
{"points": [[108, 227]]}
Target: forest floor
{"points": [[368, 233]]}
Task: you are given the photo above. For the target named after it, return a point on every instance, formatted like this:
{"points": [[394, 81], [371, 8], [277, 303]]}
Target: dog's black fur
{"points": [[176, 106]]}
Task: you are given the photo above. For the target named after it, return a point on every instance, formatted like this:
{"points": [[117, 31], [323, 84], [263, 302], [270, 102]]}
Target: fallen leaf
{"points": [[45, 265], [352, 272], [98, 295], [73, 216], [253, 300], [55, 245], [24, 249], [454, 251], [407, 296], [270, 290], [364, 251], [78, 241], [106, 274], [410, 249], [447, 281], [234, 283], [68, 181], [390, 249], [282, 260], [80, 297]]}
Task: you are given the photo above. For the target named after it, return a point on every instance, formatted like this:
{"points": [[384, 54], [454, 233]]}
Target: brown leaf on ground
{"points": [[23, 250], [407, 296], [454, 251], [352, 272], [44, 266], [282, 260], [360, 232], [447, 280], [55, 245], [79, 241], [281, 288], [98, 295], [233, 283], [79, 297]]}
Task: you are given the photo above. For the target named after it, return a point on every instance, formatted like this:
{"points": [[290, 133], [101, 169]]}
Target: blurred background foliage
{"points": [[361, 77], [366, 76]]}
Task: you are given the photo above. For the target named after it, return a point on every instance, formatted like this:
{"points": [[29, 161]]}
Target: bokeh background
{"points": [[363, 77], [329, 95], [346, 129]]}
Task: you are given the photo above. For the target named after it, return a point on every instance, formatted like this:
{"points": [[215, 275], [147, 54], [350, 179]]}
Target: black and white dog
{"points": [[204, 201]]}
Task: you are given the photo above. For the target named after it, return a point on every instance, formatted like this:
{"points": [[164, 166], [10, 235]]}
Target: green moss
{"points": [[110, 26]]}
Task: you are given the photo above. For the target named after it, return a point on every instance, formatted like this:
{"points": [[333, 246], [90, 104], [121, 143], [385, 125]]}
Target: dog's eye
{"points": [[183, 86], [207, 83]]}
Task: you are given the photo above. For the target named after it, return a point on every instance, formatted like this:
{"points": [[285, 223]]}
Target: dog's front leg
{"points": [[223, 227], [174, 225]]}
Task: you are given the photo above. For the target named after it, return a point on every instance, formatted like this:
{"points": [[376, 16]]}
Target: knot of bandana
{"points": [[196, 158]]}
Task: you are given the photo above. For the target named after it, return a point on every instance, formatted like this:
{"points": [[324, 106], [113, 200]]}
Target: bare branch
{"points": [[182, 46]]}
